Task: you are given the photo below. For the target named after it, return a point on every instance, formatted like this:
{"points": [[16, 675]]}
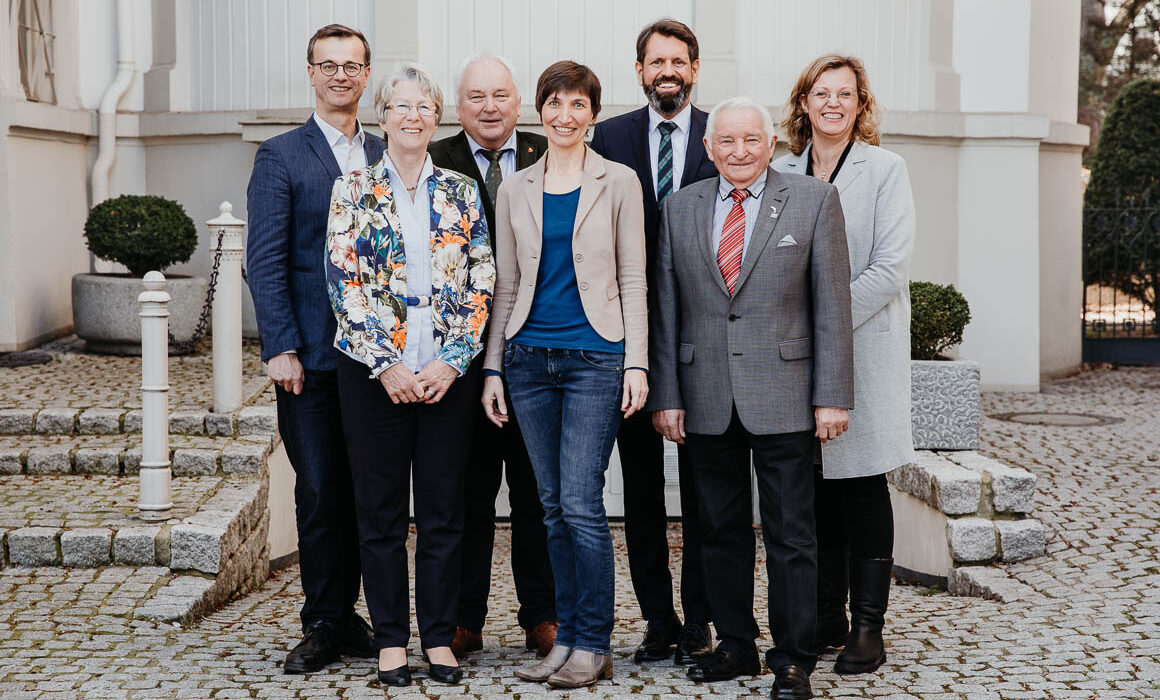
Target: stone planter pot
{"points": [[944, 404], [105, 310]]}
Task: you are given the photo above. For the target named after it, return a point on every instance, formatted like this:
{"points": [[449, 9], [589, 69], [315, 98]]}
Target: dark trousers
{"points": [[328, 553], [785, 483], [390, 445], [646, 524], [855, 514], [494, 450]]}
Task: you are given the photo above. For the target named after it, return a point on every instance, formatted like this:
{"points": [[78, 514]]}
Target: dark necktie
{"points": [[732, 241], [665, 162], [494, 174]]}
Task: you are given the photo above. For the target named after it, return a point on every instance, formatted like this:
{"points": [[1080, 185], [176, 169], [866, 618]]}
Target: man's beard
{"points": [[668, 104]]}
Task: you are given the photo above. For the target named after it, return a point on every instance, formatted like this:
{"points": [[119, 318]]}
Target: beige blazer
{"points": [[608, 253]]}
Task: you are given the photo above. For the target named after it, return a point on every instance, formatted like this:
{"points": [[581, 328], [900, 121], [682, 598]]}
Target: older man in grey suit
{"points": [[752, 354]]}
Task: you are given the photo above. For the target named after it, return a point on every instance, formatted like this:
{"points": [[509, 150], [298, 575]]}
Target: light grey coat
{"points": [[782, 343], [874, 187]]}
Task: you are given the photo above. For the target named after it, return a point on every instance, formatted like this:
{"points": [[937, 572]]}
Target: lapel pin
{"points": [[773, 212]]}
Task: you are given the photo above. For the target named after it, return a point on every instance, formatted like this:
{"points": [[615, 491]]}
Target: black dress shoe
{"points": [[355, 637], [791, 683], [693, 644], [397, 677], [445, 674], [725, 663], [659, 638], [319, 647]]}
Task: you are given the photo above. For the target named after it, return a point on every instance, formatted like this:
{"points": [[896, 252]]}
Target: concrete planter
{"points": [[944, 404], [105, 310]]}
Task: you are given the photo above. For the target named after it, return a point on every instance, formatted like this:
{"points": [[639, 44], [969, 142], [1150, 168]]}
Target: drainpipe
{"points": [[107, 124]]}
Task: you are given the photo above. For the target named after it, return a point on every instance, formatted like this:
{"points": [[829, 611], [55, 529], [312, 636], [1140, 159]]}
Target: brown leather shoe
{"points": [[465, 642], [541, 637]]}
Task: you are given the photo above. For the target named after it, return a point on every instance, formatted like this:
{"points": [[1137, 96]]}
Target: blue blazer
{"points": [[288, 202], [624, 139]]}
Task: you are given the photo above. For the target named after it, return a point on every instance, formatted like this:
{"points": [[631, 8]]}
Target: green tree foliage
{"points": [[1121, 214], [938, 315], [142, 232], [1119, 42]]}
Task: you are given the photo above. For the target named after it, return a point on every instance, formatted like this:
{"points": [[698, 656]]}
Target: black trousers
{"points": [[390, 445], [311, 428], [642, 463], [492, 451], [785, 481], [855, 514]]}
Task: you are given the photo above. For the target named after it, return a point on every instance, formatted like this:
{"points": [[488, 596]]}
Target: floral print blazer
{"points": [[366, 272]]}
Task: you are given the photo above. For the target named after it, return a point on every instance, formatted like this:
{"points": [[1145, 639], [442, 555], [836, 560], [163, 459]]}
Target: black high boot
{"points": [[833, 583], [869, 595]]}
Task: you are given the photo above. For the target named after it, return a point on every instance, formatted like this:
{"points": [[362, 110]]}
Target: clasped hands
{"points": [[427, 386]]}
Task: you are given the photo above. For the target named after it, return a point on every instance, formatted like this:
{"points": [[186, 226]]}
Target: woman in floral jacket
{"points": [[410, 274]]}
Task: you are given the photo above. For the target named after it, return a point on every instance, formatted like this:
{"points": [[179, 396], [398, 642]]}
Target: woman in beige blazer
{"points": [[569, 331], [832, 129]]}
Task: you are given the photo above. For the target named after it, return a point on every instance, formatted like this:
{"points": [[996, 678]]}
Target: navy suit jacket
{"points": [[624, 139], [288, 203]]}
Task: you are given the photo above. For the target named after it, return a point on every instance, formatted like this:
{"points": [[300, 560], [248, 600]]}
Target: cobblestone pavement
{"points": [[1089, 629], [77, 379]]}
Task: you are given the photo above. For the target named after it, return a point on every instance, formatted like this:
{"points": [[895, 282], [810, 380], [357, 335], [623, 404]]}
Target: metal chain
{"points": [[187, 347]]}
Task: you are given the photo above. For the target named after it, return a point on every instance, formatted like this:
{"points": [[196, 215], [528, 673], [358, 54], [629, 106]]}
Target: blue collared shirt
{"points": [[751, 205]]}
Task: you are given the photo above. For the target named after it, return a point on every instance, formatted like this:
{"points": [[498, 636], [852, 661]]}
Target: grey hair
{"points": [[481, 57], [407, 72], [739, 103]]}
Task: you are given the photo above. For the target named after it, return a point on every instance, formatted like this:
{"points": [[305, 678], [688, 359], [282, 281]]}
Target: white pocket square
{"points": [[788, 240]]}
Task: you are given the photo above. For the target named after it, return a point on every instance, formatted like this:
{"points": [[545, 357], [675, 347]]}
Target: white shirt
{"points": [[680, 141], [507, 157], [751, 205], [348, 153]]}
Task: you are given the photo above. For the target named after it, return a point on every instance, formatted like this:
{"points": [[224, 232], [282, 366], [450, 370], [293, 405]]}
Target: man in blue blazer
{"points": [[288, 203], [662, 142]]}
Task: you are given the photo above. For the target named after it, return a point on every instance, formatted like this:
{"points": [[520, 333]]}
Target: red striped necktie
{"points": [[732, 241]]}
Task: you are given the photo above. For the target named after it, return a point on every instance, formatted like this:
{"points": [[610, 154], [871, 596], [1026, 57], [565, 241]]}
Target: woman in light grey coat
{"points": [[831, 124]]}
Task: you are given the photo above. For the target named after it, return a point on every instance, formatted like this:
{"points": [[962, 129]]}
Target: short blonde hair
{"points": [[796, 123], [407, 72]]}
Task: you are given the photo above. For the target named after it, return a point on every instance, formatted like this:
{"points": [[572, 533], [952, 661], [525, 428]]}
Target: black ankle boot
{"points": [[833, 583], [869, 595]]}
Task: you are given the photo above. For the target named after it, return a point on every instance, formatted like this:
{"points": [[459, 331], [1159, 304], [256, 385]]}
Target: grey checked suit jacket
{"points": [[782, 344]]}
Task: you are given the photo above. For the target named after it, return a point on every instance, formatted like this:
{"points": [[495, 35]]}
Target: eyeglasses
{"points": [[329, 68], [423, 109], [825, 95]]}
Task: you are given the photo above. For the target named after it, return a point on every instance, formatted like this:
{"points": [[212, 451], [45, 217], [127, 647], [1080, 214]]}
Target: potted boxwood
{"points": [[944, 392], [143, 233]]}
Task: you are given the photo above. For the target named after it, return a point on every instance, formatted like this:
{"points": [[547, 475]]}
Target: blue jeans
{"points": [[568, 402]]}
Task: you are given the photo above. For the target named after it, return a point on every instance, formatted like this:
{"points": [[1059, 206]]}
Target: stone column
{"points": [[156, 499], [226, 239]]}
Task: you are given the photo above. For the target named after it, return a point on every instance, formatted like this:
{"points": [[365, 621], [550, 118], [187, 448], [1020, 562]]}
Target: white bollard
{"points": [[226, 231], [156, 499]]}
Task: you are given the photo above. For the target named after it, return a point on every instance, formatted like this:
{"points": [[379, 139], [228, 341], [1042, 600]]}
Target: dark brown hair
{"points": [[797, 121], [568, 76], [670, 28], [340, 31]]}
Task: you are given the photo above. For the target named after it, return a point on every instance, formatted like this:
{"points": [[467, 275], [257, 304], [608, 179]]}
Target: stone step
{"points": [[113, 455], [250, 420]]}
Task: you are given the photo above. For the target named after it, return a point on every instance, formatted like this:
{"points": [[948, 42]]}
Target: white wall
{"points": [[991, 54]]}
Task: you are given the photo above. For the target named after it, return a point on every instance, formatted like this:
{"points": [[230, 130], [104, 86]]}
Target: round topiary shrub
{"points": [[142, 232], [938, 315]]}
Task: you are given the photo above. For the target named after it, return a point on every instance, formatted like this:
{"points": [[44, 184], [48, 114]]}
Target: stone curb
{"points": [[1012, 489], [250, 420], [988, 583], [204, 541], [940, 483], [244, 455]]}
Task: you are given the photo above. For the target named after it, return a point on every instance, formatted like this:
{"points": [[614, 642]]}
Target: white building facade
{"points": [[980, 99]]}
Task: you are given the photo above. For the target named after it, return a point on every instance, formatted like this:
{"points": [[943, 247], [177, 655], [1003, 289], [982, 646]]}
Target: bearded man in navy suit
{"points": [[288, 204], [663, 143]]}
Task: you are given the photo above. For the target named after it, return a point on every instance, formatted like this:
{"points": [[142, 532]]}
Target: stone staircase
{"points": [[68, 497]]}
